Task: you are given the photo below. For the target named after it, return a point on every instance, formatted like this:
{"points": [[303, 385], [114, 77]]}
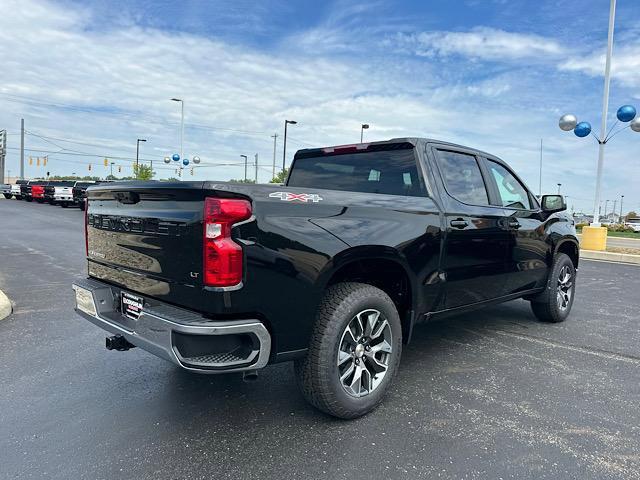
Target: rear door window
{"points": [[390, 172], [462, 177]]}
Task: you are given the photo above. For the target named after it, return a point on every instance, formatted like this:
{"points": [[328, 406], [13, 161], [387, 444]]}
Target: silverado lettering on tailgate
{"points": [[136, 225]]}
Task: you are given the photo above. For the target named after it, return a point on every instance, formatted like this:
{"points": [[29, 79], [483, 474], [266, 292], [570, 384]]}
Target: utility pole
{"points": [[606, 205], [540, 178], [275, 139], [621, 200], [256, 168], [245, 166], [22, 148], [615, 203], [3, 151]]}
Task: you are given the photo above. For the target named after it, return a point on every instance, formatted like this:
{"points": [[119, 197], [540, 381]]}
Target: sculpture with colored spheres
{"points": [[185, 162], [175, 157], [167, 159], [625, 114]]}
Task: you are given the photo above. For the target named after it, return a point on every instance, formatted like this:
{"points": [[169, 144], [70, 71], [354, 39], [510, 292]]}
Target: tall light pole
{"points": [[275, 139], [245, 167], [559, 185], [363, 127], [594, 237], [606, 206], [621, 200], [284, 147], [138, 149], [181, 125], [540, 177], [111, 165]]}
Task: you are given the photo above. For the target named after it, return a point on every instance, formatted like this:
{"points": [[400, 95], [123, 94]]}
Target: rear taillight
{"points": [[86, 226], [222, 257]]}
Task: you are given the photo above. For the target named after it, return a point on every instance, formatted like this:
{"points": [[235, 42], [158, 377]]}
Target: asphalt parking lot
{"points": [[492, 394]]}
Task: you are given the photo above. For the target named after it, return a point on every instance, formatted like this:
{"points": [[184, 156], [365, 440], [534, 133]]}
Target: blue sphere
{"points": [[582, 129], [626, 113], [185, 162], [175, 157]]}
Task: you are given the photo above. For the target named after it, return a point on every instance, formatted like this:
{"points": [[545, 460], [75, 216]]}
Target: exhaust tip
{"points": [[250, 376]]}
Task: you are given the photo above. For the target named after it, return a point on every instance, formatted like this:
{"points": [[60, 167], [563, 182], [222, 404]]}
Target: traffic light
{"points": [[119, 169], [30, 160], [38, 161], [106, 162], [89, 167], [44, 160]]}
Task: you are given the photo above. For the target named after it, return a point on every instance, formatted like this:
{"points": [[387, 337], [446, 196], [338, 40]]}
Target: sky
{"points": [[90, 77]]}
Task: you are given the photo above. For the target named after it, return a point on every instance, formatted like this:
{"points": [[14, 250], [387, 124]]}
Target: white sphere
{"points": [[196, 159], [635, 124], [568, 122], [167, 160]]}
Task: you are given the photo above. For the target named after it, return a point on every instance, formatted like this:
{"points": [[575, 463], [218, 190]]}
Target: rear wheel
{"points": [[7, 195], [354, 351], [64, 204], [81, 205], [555, 302]]}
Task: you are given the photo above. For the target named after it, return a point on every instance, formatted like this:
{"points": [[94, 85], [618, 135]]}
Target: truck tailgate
{"points": [[146, 236]]}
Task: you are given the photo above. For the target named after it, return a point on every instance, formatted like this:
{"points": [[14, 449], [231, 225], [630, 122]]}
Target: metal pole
{"points": [[559, 185], [137, 151], [605, 108], [181, 129], [111, 170], [621, 200], [284, 147], [540, 178], [615, 204], [22, 148], [245, 167], [256, 168], [606, 205], [361, 133], [275, 138]]}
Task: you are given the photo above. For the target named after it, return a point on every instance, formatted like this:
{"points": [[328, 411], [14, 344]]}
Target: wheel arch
{"points": [[382, 267], [571, 248]]}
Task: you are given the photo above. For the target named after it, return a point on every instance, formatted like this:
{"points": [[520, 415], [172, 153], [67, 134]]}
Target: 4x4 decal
{"points": [[302, 197]]}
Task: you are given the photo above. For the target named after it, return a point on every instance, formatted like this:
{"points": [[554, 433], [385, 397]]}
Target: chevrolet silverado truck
{"points": [[332, 270], [16, 188], [80, 193], [59, 192], [5, 189]]}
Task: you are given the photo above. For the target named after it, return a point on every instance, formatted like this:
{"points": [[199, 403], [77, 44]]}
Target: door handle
{"points": [[459, 223]]}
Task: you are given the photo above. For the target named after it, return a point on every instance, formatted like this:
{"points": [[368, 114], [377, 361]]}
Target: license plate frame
{"points": [[131, 305]]}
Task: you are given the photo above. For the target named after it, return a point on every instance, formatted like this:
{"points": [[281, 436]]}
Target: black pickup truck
{"points": [[332, 270]]}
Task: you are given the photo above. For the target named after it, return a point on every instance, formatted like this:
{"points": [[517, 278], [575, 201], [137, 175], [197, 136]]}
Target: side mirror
{"points": [[553, 203]]}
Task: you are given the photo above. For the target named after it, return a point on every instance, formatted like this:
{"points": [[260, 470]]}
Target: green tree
{"points": [[142, 172], [281, 177], [242, 181], [631, 214]]}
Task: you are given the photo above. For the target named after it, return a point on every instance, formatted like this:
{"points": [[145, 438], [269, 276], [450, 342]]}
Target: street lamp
{"points": [[559, 185], [621, 200], [284, 148], [138, 149], [594, 237], [245, 166], [181, 124], [363, 127]]}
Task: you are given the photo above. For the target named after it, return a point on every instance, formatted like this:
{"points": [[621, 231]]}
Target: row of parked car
{"points": [[55, 192]]}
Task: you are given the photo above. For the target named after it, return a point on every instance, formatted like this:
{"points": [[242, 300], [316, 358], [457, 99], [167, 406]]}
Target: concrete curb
{"points": [[5, 306], [610, 256]]}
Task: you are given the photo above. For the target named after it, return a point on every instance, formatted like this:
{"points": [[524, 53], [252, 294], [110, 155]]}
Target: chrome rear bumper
{"points": [[183, 337]]}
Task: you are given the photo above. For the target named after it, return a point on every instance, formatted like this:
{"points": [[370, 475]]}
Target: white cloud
{"points": [[625, 64], [480, 43]]}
